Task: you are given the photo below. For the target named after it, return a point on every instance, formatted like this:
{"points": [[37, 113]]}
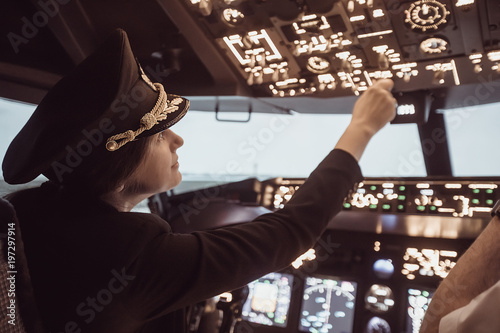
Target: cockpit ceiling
{"points": [[265, 49]]}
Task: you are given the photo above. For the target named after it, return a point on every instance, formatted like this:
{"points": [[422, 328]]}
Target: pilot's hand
{"points": [[372, 111], [375, 108]]}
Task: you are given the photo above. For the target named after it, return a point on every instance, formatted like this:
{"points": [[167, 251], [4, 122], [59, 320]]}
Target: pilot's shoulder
{"points": [[144, 222]]}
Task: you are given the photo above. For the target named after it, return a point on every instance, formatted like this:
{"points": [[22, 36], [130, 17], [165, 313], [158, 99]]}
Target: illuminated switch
{"points": [[489, 202], [386, 207], [350, 6], [401, 208], [475, 191], [489, 191], [475, 201], [373, 188], [420, 208], [383, 62], [347, 205], [401, 197], [433, 209], [402, 188], [373, 207]]}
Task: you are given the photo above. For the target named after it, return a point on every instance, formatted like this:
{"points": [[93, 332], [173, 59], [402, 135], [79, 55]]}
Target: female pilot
{"points": [[101, 136]]}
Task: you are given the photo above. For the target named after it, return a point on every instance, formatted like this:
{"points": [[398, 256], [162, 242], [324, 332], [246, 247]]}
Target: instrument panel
{"points": [[457, 197], [357, 282], [378, 263], [337, 48], [363, 280]]}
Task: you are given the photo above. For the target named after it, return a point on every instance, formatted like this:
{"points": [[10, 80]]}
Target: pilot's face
{"points": [[159, 170]]}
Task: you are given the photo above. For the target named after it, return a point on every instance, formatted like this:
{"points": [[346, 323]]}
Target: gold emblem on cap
{"points": [[145, 78], [160, 112]]}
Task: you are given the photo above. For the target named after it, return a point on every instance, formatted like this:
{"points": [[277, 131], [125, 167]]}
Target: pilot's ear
{"points": [[119, 188]]}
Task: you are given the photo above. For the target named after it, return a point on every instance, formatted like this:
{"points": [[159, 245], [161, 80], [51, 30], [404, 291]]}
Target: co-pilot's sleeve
{"points": [[176, 270], [482, 314]]}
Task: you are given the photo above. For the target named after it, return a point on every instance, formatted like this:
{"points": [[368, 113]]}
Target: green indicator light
{"points": [[425, 293], [475, 201], [402, 188], [402, 197], [386, 206], [475, 191], [421, 208], [401, 207], [373, 187], [373, 206], [270, 314], [347, 205], [433, 208], [489, 202], [489, 191]]}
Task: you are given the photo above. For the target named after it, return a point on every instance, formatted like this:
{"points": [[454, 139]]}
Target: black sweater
{"points": [[95, 269]]}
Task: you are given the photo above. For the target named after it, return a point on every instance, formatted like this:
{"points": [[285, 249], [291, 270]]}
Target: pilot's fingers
{"points": [[386, 84]]}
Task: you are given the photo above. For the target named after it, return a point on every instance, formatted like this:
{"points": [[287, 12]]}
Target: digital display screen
{"points": [[328, 305], [268, 300], [418, 302]]}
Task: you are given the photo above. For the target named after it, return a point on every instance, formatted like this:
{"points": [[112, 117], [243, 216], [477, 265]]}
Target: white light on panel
{"points": [[461, 3]]}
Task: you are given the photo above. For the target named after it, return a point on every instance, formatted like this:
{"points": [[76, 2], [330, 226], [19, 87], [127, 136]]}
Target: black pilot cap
{"points": [[105, 103]]}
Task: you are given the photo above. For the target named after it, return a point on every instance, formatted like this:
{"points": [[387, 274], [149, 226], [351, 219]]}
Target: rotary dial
{"points": [[379, 298], [434, 45], [378, 325], [426, 15], [232, 16], [318, 65]]}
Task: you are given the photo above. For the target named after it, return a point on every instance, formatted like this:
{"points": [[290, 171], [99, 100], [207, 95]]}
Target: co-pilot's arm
{"points": [[476, 271]]}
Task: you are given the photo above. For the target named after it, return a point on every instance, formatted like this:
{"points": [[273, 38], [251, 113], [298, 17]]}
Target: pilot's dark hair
{"points": [[104, 171]]}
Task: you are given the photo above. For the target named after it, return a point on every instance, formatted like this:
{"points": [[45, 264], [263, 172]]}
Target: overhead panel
{"points": [[301, 48]]}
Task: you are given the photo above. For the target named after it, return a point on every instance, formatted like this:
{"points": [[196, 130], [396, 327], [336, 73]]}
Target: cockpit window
{"points": [[473, 136], [277, 145], [13, 116]]}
